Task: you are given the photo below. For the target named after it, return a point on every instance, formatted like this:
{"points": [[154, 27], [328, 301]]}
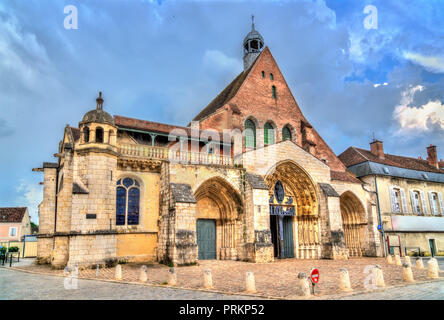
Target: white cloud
{"points": [[218, 61], [431, 63], [31, 196], [22, 57], [418, 118]]}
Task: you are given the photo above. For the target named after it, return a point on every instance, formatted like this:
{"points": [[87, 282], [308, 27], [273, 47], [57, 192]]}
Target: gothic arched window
{"points": [[127, 202], [250, 134], [268, 133], [286, 133]]}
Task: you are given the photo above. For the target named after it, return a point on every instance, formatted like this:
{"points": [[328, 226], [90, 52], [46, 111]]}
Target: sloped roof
{"points": [[12, 214], [75, 133], [226, 95], [147, 125], [344, 176], [354, 155]]}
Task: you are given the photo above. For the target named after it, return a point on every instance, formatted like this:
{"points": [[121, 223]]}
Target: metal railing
{"points": [[142, 151]]}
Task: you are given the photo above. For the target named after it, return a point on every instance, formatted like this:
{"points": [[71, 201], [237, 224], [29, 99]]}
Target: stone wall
{"points": [[86, 250]]}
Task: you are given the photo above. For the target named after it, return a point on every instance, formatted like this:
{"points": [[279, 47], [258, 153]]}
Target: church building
{"points": [[249, 178]]}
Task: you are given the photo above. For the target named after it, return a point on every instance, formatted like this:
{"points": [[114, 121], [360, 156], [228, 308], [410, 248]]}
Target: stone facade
{"points": [[128, 189]]}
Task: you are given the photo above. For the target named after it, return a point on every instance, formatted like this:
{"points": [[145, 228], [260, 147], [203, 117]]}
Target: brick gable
{"points": [[253, 98]]}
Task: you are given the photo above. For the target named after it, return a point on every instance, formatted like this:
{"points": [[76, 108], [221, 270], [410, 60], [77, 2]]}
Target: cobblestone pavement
{"points": [[19, 285], [277, 279], [421, 291]]}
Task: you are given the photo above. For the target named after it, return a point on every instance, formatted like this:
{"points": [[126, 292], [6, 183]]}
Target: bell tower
{"points": [[253, 45]]}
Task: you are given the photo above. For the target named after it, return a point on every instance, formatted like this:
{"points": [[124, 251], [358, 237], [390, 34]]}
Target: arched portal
{"points": [[219, 225], [354, 223], [294, 215]]}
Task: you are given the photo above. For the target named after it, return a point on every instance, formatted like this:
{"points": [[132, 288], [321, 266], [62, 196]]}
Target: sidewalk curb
{"points": [[323, 297]]}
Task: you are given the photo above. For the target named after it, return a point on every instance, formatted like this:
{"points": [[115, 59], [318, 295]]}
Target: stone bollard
{"points": [[398, 260], [378, 276], [250, 284], [172, 277], [432, 269], [419, 264], [118, 275], [389, 259], [143, 276], [407, 260], [407, 274], [344, 280], [436, 262], [303, 285], [208, 279]]}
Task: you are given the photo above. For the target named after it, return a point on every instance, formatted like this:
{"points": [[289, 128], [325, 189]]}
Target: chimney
{"points": [[432, 156], [377, 149]]}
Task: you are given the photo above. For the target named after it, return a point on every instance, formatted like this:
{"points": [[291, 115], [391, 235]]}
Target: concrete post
{"points": [[419, 264], [344, 280], [379, 276], [250, 282], [432, 269], [303, 285], [389, 259], [172, 277], [118, 274], [398, 260], [143, 276], [407, 260], [407, 274], [208, 279]]}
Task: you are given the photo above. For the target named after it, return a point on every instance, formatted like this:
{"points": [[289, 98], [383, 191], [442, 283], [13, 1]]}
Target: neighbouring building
{"points": [[248, 179], [410, 192], [14, 224]]}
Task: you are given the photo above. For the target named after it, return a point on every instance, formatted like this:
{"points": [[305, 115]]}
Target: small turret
{"points": [[253, 45], [97, 126]]}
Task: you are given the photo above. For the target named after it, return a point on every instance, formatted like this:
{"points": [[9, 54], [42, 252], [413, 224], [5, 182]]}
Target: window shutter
{"points": [[441, 204], [392, 199], [424, 203], [432, 203], [412, 198], [404, 202]]}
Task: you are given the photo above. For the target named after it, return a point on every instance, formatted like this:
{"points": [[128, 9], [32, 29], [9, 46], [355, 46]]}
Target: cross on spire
{"points": [[252, 21]]}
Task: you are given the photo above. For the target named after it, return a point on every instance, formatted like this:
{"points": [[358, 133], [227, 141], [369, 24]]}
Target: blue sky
{"points": [[166, 60]]}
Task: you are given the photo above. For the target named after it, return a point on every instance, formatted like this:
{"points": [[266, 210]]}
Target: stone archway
{"points": [[354, 223], [220, 203], [300, 204]]}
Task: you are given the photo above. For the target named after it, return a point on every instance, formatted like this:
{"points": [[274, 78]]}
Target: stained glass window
{"points": [[120, 206], [250, 134], [127, 202]]}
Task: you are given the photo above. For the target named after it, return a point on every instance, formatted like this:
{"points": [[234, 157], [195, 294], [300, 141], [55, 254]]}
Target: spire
{"points": [[99, 101], [252, 22]]}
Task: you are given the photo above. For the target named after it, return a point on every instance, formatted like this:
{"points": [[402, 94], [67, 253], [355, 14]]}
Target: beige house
{"points": [[409, 193], [14, 224]]}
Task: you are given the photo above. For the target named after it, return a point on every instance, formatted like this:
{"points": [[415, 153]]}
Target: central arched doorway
{"points": [[218, 223], [294, 222], [354, 223]]}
